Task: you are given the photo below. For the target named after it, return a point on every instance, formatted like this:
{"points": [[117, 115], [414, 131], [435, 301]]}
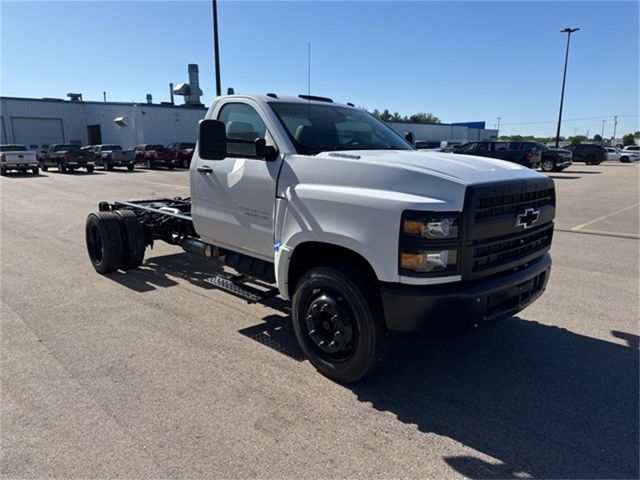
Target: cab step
{"points": [[235, 285]]}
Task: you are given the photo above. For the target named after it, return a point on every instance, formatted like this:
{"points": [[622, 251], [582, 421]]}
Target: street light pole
{"points": [[216, 46], [499, 118], [602, 134], [615, 125], [569, 31]]}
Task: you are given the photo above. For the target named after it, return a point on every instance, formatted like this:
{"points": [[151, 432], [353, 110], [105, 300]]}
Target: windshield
{"points": [[542, 146], [188, 145], [155, 147], [317, 128], [111, 147], [66, 148], [12, 148]]}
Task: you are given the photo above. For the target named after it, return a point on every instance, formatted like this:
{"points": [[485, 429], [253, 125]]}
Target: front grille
{"points": [[494, 252], [499, 205]]}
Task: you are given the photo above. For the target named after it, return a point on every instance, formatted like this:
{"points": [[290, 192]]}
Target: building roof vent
{"points": [[75, 97]]}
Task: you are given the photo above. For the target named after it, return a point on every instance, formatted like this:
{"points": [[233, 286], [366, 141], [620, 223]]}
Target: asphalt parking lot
{"points": [[152, 374]]}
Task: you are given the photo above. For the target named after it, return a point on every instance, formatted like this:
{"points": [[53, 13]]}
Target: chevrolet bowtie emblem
{"points": [[527, 218]]}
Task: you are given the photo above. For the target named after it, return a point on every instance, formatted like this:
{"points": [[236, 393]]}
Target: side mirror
{"points": [[212, 140], [410, 138], [265, 151]]}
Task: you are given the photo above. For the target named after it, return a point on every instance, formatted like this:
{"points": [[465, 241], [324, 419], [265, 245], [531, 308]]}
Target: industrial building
{"points": [[37, 123], [449, 133]]}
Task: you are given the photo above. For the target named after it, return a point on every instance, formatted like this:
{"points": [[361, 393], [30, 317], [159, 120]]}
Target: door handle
{"points": [[206, 170]]}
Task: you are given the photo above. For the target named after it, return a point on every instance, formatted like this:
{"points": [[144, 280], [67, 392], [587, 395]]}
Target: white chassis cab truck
{"points": [[328, 207]]}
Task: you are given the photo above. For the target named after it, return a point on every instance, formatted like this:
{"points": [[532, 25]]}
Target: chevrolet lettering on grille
{"points": [[528, 218]]}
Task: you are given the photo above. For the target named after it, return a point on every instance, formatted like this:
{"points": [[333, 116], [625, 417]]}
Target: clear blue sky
{"points": [[461, 61]]}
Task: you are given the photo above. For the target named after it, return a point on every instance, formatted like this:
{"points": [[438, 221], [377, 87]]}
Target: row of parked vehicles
{"points": [[67, 157], [548, 159]]}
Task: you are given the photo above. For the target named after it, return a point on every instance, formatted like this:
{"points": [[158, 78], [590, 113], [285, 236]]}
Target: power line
{"points": [[600, 117]]}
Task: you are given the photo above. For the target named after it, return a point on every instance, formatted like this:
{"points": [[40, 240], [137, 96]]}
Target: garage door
{"points": [[38, 131]]}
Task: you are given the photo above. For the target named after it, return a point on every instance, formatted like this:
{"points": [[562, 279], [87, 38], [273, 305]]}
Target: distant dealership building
{"points": [[38, 122], [452, 133]]}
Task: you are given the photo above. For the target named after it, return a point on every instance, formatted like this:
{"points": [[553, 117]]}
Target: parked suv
{"points": [[521, 153], [589, 153]]}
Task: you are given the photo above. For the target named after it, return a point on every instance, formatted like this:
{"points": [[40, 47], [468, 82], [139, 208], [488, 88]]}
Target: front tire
{"points": [[548, 165], [43, 167], [35, 170], [338, 323], [90, 168], [130, 167], [625, 159]]}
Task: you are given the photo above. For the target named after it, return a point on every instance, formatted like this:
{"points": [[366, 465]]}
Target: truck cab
{"points": [[363, 233]]}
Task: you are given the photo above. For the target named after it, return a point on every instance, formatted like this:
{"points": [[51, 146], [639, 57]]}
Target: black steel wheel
{"points": [[132, 238], [104, 241], [339, 324]]}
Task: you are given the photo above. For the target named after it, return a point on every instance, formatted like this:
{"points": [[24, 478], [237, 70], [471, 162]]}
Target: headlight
{"points": [[431, 227], [430, 261]]}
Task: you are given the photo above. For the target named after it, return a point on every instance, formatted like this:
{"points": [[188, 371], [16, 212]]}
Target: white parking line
{"points": [[582, 225]]}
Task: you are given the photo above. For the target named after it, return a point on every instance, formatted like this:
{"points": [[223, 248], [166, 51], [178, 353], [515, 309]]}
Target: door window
{"points": [[242, 122]]}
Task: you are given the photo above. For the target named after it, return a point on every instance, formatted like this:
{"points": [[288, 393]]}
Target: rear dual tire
{"points": [[114, 240]]}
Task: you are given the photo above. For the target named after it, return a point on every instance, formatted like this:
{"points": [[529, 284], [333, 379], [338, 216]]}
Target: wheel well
{"points": [[313, 254]]}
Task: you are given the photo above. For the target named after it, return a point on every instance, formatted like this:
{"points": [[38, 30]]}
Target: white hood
{"points": [[465, 169]]}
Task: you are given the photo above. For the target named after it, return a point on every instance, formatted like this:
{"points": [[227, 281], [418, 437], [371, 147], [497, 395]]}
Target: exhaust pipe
{"points": [[198, 247]]}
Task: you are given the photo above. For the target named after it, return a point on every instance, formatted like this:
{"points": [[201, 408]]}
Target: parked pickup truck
{"points": [[553, 159], [17, 157], [153, 156], [521, 153], [110, 156], [184, 152], [66, 158], [325, 205]]}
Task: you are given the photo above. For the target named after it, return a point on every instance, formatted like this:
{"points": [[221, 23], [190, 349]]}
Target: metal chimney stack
{"points": [[194, 85], [171, 93]]}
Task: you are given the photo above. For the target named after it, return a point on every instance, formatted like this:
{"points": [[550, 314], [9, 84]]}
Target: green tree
{"points": [[424, 118], [597, 138], [577, 139], [627, 139]]}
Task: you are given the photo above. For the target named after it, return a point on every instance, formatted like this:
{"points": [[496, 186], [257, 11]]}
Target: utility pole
{"points": [[499, 118], [216, 47], [615, 125], [602, 134], [569, 31]]}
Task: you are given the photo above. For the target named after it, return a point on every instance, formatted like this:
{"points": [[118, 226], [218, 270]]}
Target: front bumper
{"points": [[563, 163], [409, 308]]}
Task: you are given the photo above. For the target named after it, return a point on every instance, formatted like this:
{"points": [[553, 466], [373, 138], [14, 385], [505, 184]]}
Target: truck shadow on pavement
{"points": [[155, 272], [541, 400]]}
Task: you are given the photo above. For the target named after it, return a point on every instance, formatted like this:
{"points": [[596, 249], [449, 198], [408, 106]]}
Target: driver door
{"points": [[234, 198]]}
